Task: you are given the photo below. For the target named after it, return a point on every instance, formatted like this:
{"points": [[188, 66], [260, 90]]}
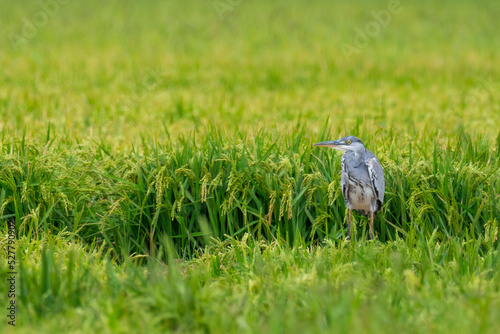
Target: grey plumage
{"points": [[362, 179]]}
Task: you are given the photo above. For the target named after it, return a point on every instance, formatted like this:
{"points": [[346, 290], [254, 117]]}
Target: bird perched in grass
{"points": [[362, 179]]}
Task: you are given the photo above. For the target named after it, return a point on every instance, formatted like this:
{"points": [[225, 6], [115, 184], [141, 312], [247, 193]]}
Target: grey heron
{"points": [[362, 179]]}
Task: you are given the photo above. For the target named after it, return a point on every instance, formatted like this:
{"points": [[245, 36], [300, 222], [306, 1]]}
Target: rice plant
{"points": [[157, 161]]}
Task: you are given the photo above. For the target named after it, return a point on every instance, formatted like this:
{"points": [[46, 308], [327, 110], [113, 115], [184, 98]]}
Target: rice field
{"points": [[156, 160]]}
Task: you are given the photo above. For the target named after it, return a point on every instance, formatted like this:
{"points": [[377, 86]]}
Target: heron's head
{"points": [[349, 143]]}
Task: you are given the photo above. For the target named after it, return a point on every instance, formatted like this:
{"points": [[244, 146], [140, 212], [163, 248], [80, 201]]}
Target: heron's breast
{"points": [[360, 197]]}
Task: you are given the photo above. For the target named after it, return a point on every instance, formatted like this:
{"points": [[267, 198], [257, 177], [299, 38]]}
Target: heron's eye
{"points": [[349, 142]]}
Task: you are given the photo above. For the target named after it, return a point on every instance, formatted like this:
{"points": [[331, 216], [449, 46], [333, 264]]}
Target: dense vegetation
{"points": [[157, 160]]}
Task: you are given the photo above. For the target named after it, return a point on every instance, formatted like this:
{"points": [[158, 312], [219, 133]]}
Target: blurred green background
{"points": [[119, 70]]}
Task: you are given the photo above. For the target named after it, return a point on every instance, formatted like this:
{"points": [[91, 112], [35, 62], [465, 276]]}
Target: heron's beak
{"points": [[332, 144]]}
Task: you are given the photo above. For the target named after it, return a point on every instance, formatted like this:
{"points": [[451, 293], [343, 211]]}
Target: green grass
{"points": [[282, 188], [119, 71], [157, 160], [415, 286]]}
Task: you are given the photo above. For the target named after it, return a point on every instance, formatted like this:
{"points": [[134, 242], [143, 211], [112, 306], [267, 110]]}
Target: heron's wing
{"points": [[376, 174]]}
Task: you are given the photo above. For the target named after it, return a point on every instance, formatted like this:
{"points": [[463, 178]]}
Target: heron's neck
{"points": [[356, 158]]}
